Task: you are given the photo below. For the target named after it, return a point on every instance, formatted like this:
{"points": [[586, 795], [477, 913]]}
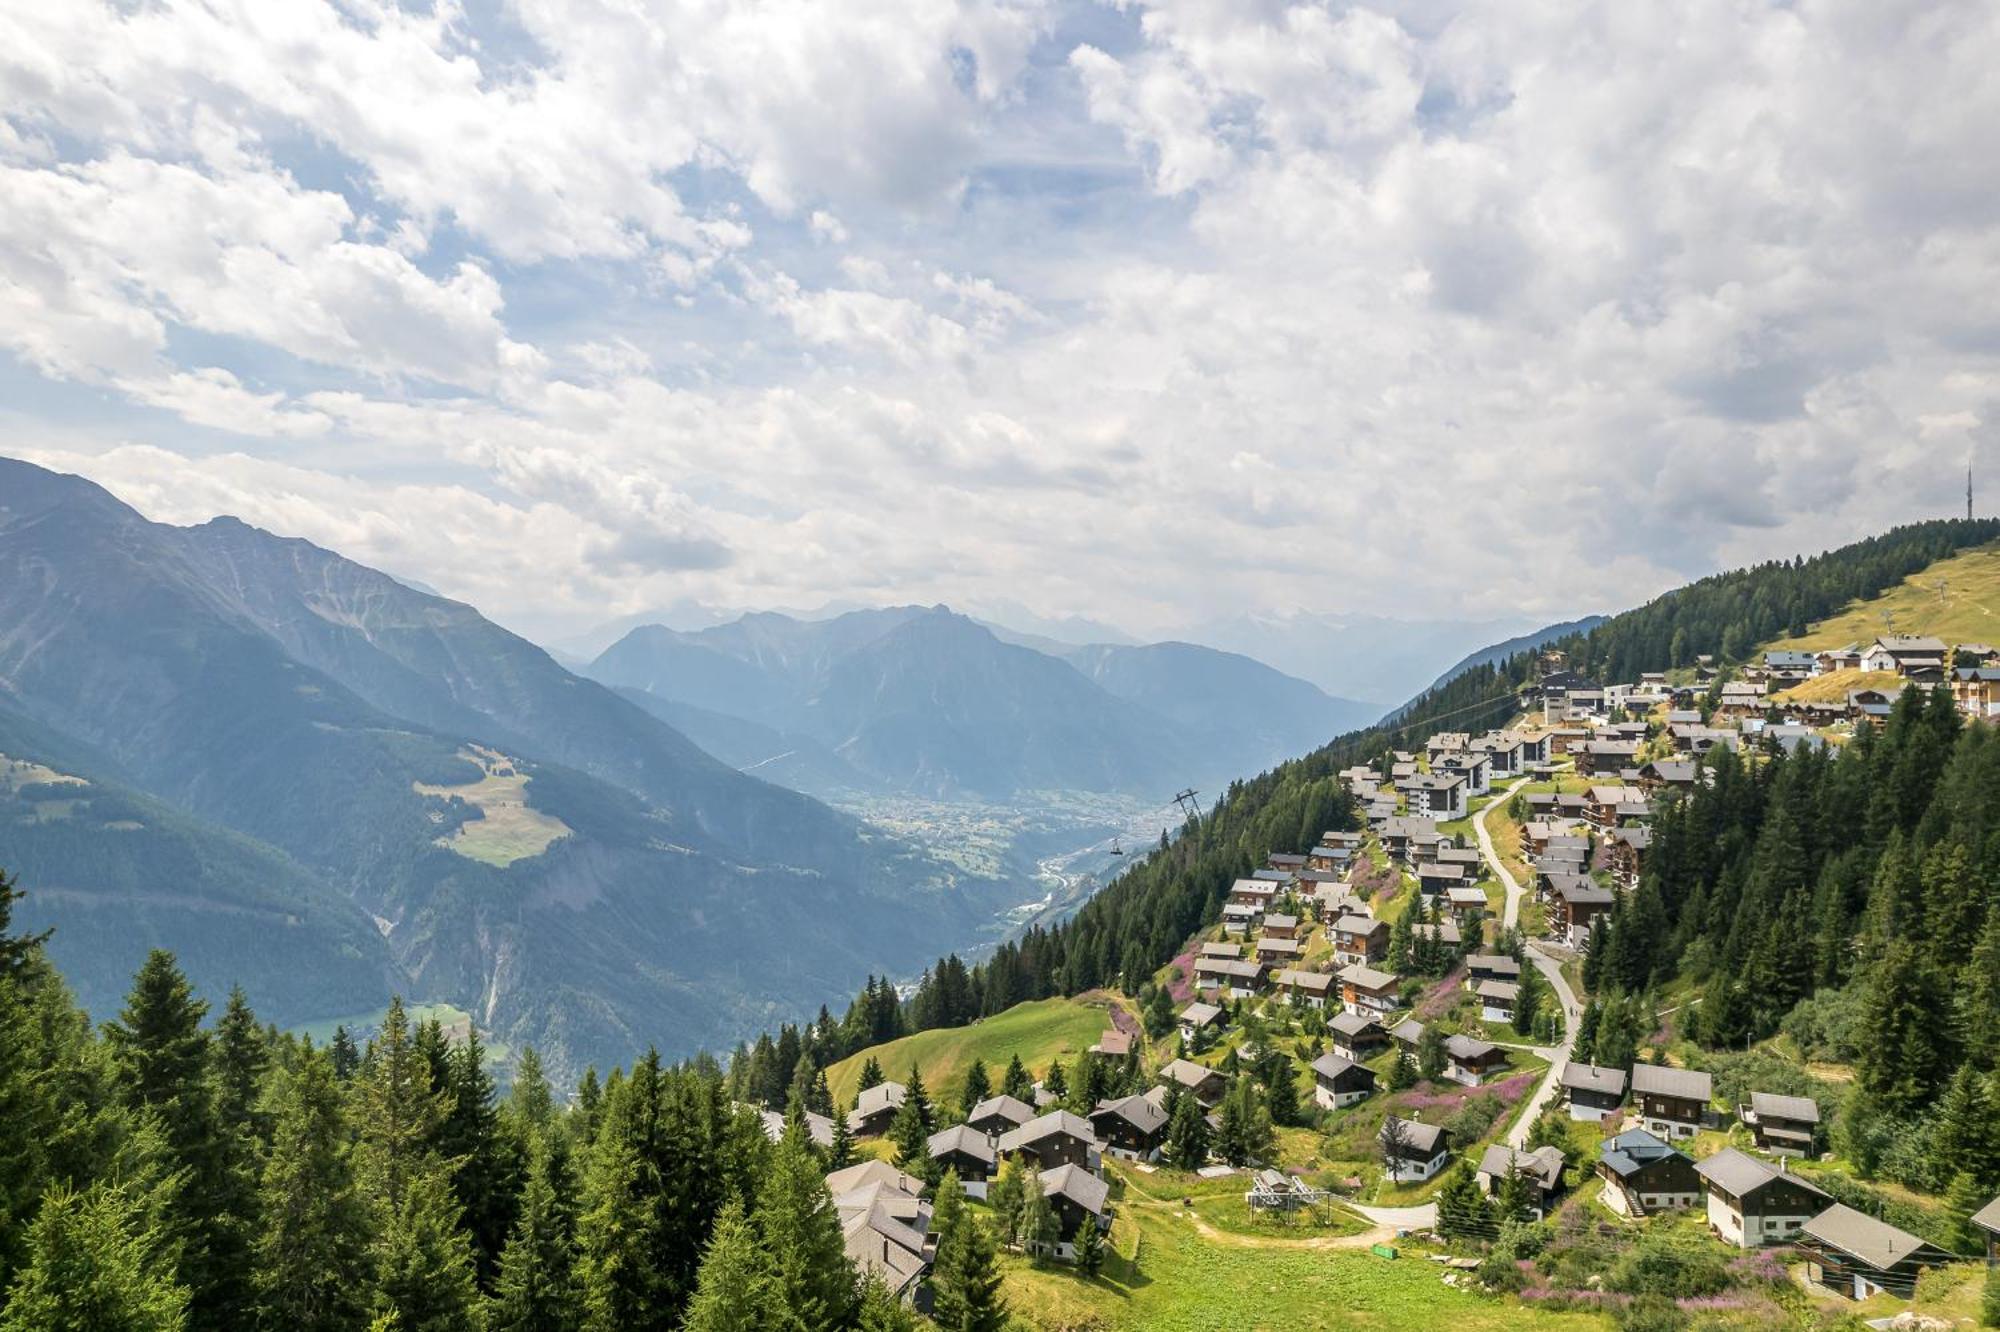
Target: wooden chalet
{"points": [[1853, 1254], [1781, 1125], [1753, 1204], [1672, 1102], [1643, 1175]]}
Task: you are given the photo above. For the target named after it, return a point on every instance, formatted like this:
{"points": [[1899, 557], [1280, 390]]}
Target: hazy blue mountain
{"points": [[1355, 656], [1499, 652], [928, 701], [277, 690], [1239, 713]]}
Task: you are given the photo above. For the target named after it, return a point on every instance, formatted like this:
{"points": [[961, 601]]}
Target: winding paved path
{"points": [[1550, 967]]}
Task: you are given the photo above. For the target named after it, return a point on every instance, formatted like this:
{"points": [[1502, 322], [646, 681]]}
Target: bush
{"points": [[1469, 1123], [1827, 1025], [1657, 1265], [1650, 1313]]}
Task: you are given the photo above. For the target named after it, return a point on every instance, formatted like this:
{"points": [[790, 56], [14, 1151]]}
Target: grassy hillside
{"points": [[1956, 599], [1039, 1032], [1165, 1275]]}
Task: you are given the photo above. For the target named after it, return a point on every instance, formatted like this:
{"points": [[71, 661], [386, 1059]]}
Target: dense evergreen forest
{"points": [[1139, 921], [169, 1173]]}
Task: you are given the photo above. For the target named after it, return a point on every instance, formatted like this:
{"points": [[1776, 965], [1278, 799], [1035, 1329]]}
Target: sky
{"points": [[1154, 313]]}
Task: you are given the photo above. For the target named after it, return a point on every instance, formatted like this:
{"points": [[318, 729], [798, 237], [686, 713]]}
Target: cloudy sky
{"points": [[1148, 311]]}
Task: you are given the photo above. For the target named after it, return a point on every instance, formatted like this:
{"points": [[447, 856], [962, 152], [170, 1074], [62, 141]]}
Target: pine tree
{"points": [[1005, 1197], [1965, 1135], [163, 1060], [1979, 996], [736, 1290], [1461, 1208], [1158, 1014], [423, 1260], [871, 1073], [1512, 1200], [1055, 1082], [1019, 1083], [530, 1102], [1905, 1051], [800, 1229], [242, 1063], [1528, 1002], [536, 1290], [881, 1311], [976, 1089], [1281, 1083], [1245, 1135], [965, 1277], [90, 1270], [1430, 1056], [487, 1158], [1187, 1137], [1403, 1073], [840, 1153], [346, 1057], [1089, 1247], [912, 1139], [1040, 1227], [310, 1257]]}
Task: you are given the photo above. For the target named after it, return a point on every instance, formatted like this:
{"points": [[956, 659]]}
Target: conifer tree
{"points": [[1018, 1083], [530, 1102], [423, 1260], [346, 1057], [1403, 1073], [486, 1157], [978, 1086], [1461, 1208], [1965, 1132], [1005, 1197], [965, 1278], [1430, 1056], [163, 1064], [1158, 1013], [881, 1311], [1055, 1082], [840, 1153], [800, 1229], [871, 1073], [536, 1290], [912, 1139], [310, 1263], [1905, 1051], [1512, 1201], [1187, 1137], [1281, 1089], [1041, 1229], [735, 1290], [89, 1270], [1978, 1013], [1089, 1247]]}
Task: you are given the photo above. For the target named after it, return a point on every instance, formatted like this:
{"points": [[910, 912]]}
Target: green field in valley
{"points": [[1039, 1032]]}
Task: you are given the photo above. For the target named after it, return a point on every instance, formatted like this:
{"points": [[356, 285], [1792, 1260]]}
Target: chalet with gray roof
{"points": [[1781, 1125], [1643, 1175], [1206, 1084], [1987, 1221], [1541, 1168], [1406, 1034], [1468, 1061], [1355, 1037], [1491, 966], [1079, 1199], [1359, 939], [1000, 1114], [1497, 1000], [1576, 906], [1592, 1092], [965, 1150], [1413, 1151], [1339, 1082], [885, 1225], [1239, 978], [1131, 1127], [1672, 1102], [1853, 1254], [1753, 1204], [1057, 1138], [1367, 992], [1200, 1017], [1311, 988], [874, 1108]]}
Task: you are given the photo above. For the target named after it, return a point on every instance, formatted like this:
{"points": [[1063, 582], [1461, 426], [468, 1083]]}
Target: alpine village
{"points": [[1648, 979]]}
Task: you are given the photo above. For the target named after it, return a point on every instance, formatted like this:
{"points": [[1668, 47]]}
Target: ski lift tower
{"points": [[1186, 800]]}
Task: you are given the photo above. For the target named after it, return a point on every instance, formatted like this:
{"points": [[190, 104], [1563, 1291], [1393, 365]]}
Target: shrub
{"points": [[1649, 1313], [1468, 1124], [1657, 1265]]}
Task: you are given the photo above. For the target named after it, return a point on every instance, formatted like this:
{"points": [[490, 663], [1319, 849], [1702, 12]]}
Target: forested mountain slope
{"points": [[536, 849]]}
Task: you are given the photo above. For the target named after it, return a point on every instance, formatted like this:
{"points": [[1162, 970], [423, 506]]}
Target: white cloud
{"points": [[1405, 308]]}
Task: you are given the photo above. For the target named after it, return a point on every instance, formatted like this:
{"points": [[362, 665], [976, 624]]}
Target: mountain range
{"points": [[923, 700], [300, 771]]}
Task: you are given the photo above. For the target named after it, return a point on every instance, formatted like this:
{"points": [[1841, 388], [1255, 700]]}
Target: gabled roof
{"points": [[1306, 980], [883, 1096], [1009, 1108], [1544, 1165], [1140, 1112], [1498, 963], [1367, 978], [1200, 1015], [965, 1140], [1801, 1108], [1048, 1126], [1078, 1185], [1988, 1217], [1876, 1243], [1409, 1029], [1188, 1073], [872, 1176], [1344, 1023], [1634, 1150], [1659, 1080], [1497, 989], [1591, 1078], [1417, 1136], [1740, 1174], [1467, 1050], [1333, 1066]]}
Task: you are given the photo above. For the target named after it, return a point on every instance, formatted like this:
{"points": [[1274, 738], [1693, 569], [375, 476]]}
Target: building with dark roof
{"points": [[1853, 1254]]}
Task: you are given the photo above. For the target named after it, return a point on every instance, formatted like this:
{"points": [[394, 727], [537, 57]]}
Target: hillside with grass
{"points": [[1956, 599], [1040, 1033]]}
